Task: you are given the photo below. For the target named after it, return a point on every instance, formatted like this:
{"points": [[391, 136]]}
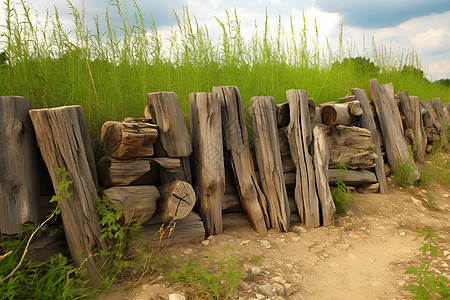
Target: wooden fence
{"points": [[217, 174]]}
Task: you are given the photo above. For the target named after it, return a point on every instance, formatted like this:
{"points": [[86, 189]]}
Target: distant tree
{"points": [[445, 82], [357, 64], [413, 71]]}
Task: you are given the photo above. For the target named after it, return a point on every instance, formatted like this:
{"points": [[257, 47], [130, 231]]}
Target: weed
{"points": [[405, 172], [341, 194], [428, 284], [212, 277]]}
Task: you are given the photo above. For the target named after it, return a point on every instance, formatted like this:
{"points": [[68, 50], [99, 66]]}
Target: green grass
{"points": [[109, 72]]}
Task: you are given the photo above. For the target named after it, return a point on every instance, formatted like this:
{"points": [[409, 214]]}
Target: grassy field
{"points": [[110, 72]]}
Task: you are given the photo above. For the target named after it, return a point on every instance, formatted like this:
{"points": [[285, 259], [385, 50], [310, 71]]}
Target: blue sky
{"points": [[422, 24]]}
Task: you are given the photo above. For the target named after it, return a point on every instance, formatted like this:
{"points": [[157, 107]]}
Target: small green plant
{"points": [[438, 170], [341, 195], [212, 277], [428, 284], [405, 173]]}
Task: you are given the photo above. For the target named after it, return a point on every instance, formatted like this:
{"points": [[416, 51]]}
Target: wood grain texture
{"points": [[207, 142], [19, 178], [237, 144], [299, 135], [64, 142], [368, 122], [268, 157]]}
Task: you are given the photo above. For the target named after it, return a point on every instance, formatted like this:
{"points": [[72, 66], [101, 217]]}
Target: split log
{"points": [[348, 99], [236, 142], [391, 127], [433, 127], [188, 229], [64, 142], [207, 142], [19, 177], [124, 140], [368, 188], [135, 171], [439, 109], [368, 122], [265, 134], [173, 139], [138, 202], [340, 113], [299, 135], [321, 167], [283, 114], [410, 108], [351, 146], [447, 114], [351, 177], [177, 200]]}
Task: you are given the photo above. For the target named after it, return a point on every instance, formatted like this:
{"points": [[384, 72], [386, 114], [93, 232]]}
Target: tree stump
{"points": [[236, 142], [206, 134], [19, 180], [368, 122], [299, 135], [268, 157], [64, 142]]}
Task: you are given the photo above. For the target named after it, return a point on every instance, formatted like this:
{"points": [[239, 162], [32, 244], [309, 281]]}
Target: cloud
{"points": [[382, 13]]}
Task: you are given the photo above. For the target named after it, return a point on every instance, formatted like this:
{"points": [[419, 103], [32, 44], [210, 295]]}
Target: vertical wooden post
{"points": [[236, 141], [299, 134], [367, 121], [63, 139], [268, 157], [19, 181], [207, 143]]}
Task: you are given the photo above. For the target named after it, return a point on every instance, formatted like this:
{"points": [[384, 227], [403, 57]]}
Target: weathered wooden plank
{"points": [[138, 202], [351, 177], [125, 140], [265, 135], [283, 114], [207, 142], [368, 122], [299, 135], [414, 131], [340, 113], [391, 126], [321, 154], [19, 179], [236, 142], [64, 142]]}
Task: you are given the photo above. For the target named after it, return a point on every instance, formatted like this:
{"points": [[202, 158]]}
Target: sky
{"points": [[399, 24]]}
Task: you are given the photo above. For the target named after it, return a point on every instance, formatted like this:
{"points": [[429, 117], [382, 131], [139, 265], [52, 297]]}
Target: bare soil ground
{"points": [[363, 256]]}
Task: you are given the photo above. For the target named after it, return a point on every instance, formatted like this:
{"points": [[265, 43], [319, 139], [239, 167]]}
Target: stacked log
{"points": [[434, 122]]}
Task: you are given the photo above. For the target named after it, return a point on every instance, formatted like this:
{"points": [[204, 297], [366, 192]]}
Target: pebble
{"points": [[401, 283], [416, 201], [279, 279], [325, 255], [259, 296], [402, 233], [265, 244], [288, 289], [290, 266], [188, 251], [446, 195], [205, 242], [445, 265], [256, 271], [265, 289], [176, 297], [424, 191], [245, 242], [278, 289], [446, 253], [298, 229]]}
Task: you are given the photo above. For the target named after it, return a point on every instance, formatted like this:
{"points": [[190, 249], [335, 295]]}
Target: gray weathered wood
{"points": [[352, 177], [135, 171], [368, 122], [138, 202], [64, 142], [283, 114], [414, 131], [236, 142], [299, 135], [321, 154], [391, 127], [125, 140], [432, 127], [177, 200], [19, 179], [265, 135], [207, 142]]}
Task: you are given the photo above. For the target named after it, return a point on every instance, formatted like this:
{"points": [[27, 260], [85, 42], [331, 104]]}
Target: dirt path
{"points": [[363, 256]]}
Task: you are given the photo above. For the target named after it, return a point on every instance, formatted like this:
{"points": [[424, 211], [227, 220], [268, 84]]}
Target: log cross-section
{"points": [[19, 181], [368, 122], [268, 157], [63, 139], [299, 135], [207, 142], [237, 143]]}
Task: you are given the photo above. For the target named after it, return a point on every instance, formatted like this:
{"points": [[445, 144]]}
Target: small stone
{"points": [[296, 239], [446, 195], [290, 266], [188, 251], [245, 242], [259, 296], [288, 289], [372, 260], [211, 237], [244, 285], [279, 279], [265, 289], [297, 277], [298, 229], [265, 244], [401, 283], [223, 282], [176, 297], [445, 265], [343, 246], [402, 233], [424, 191], [278, 289], [325, 255], [145, 286], [446, 253], [205, 242], [256, 271]]}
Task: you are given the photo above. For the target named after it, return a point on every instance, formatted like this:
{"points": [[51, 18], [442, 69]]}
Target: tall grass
{"points": [[109, 71]]}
